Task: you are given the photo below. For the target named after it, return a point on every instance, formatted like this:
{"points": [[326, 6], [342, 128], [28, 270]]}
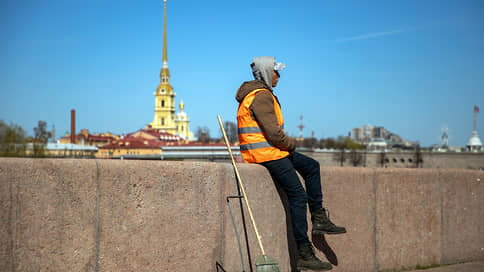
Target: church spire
{"points": [[164, 69]]}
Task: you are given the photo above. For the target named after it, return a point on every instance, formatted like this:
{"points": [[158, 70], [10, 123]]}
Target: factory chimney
{"points": [[73, 126]]}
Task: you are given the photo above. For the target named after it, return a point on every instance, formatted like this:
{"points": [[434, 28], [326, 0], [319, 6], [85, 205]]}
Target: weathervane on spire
{"points": [[165, 45]]}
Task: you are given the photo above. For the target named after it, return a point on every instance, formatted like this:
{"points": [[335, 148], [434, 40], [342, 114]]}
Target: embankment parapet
{"points": [[103, 215]]}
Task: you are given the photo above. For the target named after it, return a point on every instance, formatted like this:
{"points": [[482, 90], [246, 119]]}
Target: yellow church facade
{"points": [[164, 116]]}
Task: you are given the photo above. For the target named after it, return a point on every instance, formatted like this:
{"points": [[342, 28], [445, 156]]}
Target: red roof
{"points": [[136, 139], [91, 137], [133, 142], [157, 133], [200, 144]]}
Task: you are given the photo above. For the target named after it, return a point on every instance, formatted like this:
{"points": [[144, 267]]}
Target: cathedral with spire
{"points": [[165, 118]]}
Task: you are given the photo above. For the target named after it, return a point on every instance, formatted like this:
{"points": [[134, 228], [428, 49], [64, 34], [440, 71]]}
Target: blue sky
{"points": [[413, 67]]}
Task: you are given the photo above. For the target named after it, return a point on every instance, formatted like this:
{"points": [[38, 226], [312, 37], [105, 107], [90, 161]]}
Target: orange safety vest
{"points": [[254, 146]]}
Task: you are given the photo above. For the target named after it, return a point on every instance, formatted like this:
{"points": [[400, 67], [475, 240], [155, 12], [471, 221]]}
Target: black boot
{"points": [[322, 224], [308, 261]]}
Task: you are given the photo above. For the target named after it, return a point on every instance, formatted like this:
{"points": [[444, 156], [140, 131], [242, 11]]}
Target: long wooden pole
{"points": [[239, 180]]}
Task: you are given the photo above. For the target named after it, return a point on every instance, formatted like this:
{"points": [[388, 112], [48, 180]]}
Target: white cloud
{"points": [[372, 35]]}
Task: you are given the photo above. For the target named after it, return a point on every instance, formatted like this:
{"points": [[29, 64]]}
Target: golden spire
{"points": [[164, 69]]}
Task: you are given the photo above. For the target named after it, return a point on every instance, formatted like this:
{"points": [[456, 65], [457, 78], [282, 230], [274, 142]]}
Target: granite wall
{"points": [[111, 215], [401, 159]]}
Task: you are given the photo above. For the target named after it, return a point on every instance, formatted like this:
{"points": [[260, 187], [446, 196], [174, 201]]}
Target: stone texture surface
{"points": [[406, 159], [173, 216], [269, 215], [408, 218], [47, 214], [462, 215], [349, 195], [463, 267], [160, 216]]}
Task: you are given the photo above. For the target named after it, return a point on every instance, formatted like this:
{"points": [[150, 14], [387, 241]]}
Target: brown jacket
{"points": [[262, 111]]}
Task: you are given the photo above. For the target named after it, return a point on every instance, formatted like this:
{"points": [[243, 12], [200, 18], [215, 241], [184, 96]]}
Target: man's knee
{"points": [[315, 166]]}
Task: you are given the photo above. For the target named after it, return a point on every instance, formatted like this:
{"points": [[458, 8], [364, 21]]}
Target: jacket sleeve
{"points": [[262, 109]]}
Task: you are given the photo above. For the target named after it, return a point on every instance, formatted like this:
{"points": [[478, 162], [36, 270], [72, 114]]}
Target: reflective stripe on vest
{"points": [[252, 129], [254, 146]]}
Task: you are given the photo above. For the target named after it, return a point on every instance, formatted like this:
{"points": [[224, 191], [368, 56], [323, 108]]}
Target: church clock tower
{"points": [[164, 118]]}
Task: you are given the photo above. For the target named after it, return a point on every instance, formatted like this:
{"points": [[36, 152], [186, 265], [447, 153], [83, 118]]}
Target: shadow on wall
{"points": [[291, 242], [319, 241]]}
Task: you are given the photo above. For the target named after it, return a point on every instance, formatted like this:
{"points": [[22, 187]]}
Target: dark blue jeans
{"points": [[283, 171]]}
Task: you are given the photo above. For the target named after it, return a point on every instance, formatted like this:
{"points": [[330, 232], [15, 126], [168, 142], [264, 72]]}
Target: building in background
{"points": [[356, 134], [144, 144], [379, 132], [64, 150], [152, 144], [88, 139], [380, 138], [366, 133], [474, 144], [165, 118]]}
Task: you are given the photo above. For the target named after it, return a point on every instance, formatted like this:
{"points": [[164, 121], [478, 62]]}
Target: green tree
{"points": [[310, 142], [383, 158], [340, 143], [41, 137], [418, 157], [231, 131], [13, 141], [350, 144], [345, 143], [356, 157], [340, 157], [328, 143], [203, 134]]}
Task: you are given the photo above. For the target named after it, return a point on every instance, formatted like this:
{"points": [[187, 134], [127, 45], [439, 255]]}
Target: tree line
{"points": [[339, 143], [14, 140]]}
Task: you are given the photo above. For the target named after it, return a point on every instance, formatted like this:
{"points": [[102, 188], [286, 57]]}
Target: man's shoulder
{"points": [[253, 85], [249, 86]]}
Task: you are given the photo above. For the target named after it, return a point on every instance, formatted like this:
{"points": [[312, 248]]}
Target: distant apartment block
{"points": [[366, 133], [377, 137]]}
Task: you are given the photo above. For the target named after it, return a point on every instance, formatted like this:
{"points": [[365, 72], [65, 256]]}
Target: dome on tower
{"points": [[474, 143], [181, 116]]}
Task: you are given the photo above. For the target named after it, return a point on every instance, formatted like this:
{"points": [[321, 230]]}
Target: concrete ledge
{"points": [[408, 218], [462, 194], [47, 215], [160, 216], [104, 215]]}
